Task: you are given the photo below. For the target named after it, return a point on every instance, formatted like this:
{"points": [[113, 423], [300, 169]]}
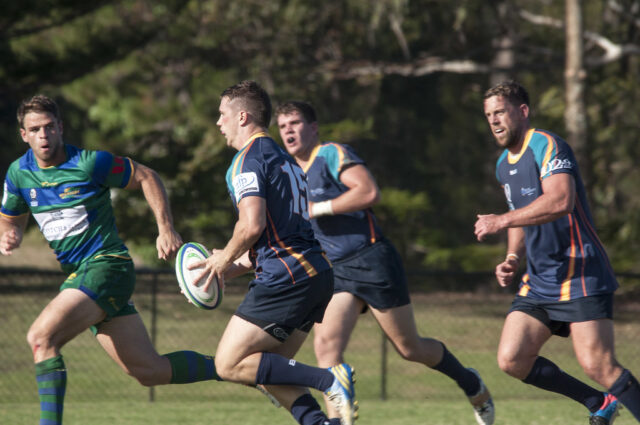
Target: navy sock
{"points": [[546, 375], [275, 369], [450, 366], [306, 411], [627, 390]]}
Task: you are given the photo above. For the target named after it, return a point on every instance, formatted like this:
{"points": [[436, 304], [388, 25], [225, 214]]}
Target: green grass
{"points": [[469, 324], [260, 412]]}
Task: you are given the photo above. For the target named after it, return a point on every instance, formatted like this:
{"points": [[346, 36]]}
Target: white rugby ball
{"points": [[189, 253]]}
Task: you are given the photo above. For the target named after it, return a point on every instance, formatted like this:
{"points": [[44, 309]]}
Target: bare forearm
{"points": [[156, 197]]}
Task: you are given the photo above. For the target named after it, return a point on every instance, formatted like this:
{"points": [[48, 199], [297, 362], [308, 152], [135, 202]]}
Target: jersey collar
{"points": [[527, 138]]}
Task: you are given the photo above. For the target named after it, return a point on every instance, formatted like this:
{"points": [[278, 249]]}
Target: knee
{"points": [[327, 350], [39, 338], [510, 365], [224, 369], [414, 351], [599, 369]]}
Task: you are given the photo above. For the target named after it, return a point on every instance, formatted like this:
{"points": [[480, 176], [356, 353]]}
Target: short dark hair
{"points": [[303, 108], [255, 100], [511, 90], [38, 103]]}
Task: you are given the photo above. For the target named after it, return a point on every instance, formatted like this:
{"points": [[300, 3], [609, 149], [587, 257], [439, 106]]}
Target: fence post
{"points": [[154, 315], [383, 367]]}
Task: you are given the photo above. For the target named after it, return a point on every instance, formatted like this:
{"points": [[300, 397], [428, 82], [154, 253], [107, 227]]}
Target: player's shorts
{"points": [[109, 280], [281, 309], [375, 274], [558, 315]]}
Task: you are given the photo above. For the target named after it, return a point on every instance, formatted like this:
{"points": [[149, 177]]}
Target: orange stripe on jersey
{"points": [[524, 289], [565, 291], [512, 159], [582, 266], [551, 146], [308, 268], [240, 159], [372, 230], [593, 233], [312, 158]]}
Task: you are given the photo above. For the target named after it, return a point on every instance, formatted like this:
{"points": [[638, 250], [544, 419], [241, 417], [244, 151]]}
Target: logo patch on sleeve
{"points": [[244, 183]]}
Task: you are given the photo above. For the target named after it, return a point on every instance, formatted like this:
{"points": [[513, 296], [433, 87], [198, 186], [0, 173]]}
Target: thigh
{"points": [[398, 323], [67, 315], [522, 337], [333, 333], [593, 343]]}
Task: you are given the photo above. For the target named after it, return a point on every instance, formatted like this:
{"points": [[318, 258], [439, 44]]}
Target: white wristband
{"points": [[321, 208], [514, 256]]}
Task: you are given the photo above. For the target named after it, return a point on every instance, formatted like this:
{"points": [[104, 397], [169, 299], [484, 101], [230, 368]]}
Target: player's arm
{"points": [[239, 267], [168, 241], [11, 231], [557, 200], [363, 193], [252, 220], [506, 270]]}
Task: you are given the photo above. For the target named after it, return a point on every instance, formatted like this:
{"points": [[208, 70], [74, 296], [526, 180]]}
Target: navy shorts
{"points": [[558, 315], [375, 274], [281, 309]]}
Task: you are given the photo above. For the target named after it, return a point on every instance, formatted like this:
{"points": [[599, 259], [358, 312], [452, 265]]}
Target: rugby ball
{"points": [[189, 253]]}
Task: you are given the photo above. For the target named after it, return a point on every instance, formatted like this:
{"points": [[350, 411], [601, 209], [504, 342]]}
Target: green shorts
{"points": [[109, 280]]}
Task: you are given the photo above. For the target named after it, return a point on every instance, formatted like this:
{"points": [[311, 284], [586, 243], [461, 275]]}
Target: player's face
{"points": [[228, 122], [509, 123], [299, 136], [43, 132]]}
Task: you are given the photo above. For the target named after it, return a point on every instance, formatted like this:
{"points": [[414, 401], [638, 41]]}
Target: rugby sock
{"points": [[189, 366], [627, 390], [275, 369], [307, 411], [51, 375], [546, 375], [450, 366]]}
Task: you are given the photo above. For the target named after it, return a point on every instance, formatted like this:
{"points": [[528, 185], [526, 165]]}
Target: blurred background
{"points": [[401, 81]]}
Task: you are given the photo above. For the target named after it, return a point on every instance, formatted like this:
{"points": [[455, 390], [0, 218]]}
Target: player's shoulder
{"points": [[544, 139]]}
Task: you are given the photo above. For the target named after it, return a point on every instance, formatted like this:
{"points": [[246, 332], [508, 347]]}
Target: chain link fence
{"points": [[467, 317]]}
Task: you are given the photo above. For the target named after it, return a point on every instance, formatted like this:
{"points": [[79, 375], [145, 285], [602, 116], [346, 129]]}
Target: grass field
{"points": [[468, 323]]}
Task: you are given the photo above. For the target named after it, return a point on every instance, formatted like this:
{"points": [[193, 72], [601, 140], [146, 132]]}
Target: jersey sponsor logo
{"points": [[507, 194], [56, 225], [513, 172], [69, 192], [556, 164], [33, 195], [528, 191], [49, 184], [119, 167], [317, 192], [245, 183]]}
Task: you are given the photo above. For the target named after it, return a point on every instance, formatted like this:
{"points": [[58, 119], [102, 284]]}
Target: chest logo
{"points": [[527, 191], [513, 172]]}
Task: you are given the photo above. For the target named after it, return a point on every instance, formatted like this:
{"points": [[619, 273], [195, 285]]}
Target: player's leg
{"points": [[593, 343], [247, 354], [522, 338], [67, 315], [332, 335], [399, 325], [127, 342]]}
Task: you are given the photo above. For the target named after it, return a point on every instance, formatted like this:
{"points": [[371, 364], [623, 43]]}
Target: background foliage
{"points": [[402, 81]]}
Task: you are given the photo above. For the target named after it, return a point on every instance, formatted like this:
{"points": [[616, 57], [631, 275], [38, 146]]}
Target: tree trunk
{"points": [[575, 115]]}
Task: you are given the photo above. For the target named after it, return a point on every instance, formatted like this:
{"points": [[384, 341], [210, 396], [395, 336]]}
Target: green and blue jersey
{"points": [[287, 251], [565, 258], [70, 202]]}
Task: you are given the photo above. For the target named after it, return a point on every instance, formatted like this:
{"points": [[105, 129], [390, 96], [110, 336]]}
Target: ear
{"points": [[243, 117], [524, 110], [23, 134]]}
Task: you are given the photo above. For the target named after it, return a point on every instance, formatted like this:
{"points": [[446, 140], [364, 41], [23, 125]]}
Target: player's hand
{"points": [[212, 268], [506, 271], [168, 244], [9, 241], [487, 224]]}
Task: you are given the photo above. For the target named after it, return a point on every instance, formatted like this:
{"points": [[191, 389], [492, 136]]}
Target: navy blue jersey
{"points": [[565, 258], [287, 251], [343, 234]]}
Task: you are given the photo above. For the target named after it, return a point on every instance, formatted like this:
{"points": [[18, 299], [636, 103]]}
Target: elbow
{"points": [[565, 205], [372, 197]]}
